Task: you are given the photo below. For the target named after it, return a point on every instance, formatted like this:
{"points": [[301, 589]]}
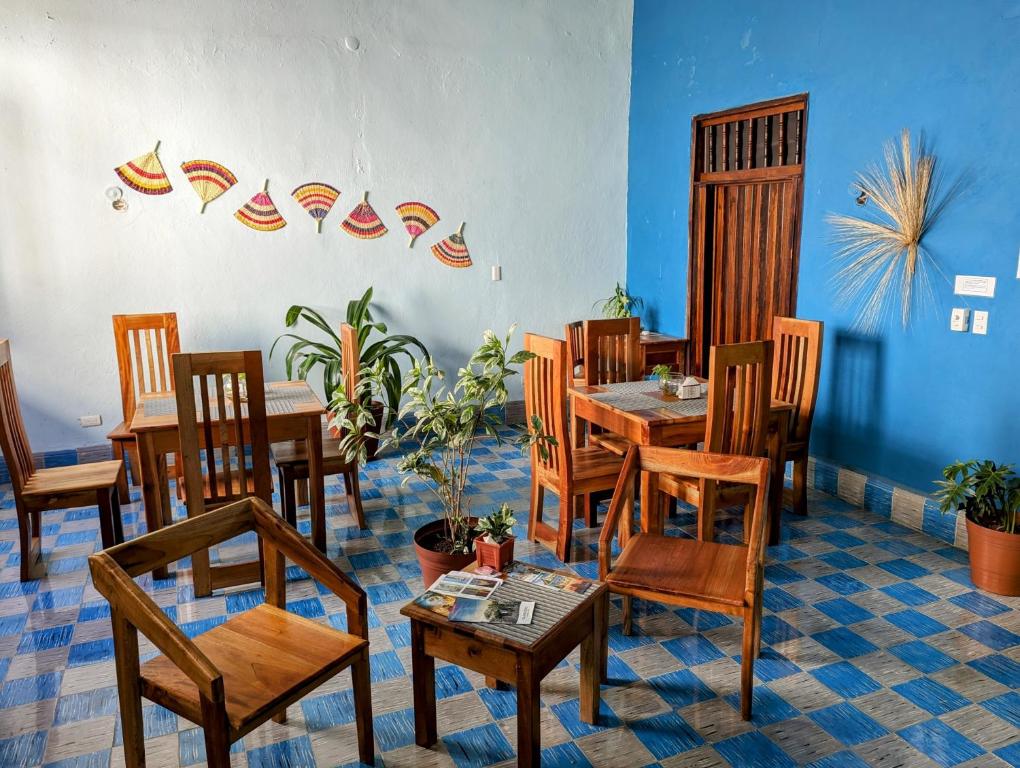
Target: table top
{"points": [[552, 608], [653, 337], [283, 399]]}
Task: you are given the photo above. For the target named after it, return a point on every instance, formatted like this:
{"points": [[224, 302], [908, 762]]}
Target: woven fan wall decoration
{"points": [[363, 222], [209, 179], [452, 251], [145, 174], [885, 250], [317, 198], [418, 218], [260, 213]]}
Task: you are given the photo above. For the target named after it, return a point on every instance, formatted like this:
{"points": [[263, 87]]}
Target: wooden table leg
{"points": [[777, 456], [591, 664], [651, 510], [423, 681], [529, 715], [149, 469], [316, 483]]}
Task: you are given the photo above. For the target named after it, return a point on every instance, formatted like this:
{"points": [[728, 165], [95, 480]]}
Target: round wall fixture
{"points": [[114, 193], [352, 43]]}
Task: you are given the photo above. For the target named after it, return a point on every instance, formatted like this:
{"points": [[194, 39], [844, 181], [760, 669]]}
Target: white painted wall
{"points": [[511, 116]]}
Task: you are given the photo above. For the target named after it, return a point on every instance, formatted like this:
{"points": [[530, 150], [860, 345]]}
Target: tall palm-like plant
{"points": [[384, 354]]}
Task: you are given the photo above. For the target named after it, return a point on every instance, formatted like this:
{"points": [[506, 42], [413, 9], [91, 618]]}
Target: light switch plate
{"points": [[959, 319], [981, 322], [94, 420]]}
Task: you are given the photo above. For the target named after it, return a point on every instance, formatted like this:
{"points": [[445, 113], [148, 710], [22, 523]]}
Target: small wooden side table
{"points": [[518, 655], [660, 349]]}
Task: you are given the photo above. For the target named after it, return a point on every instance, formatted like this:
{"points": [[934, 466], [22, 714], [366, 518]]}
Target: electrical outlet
{"points": [[90, 421], [981, 322], [959, 320]]}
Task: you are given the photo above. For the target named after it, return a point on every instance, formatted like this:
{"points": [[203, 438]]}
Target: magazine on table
{"points": [[492, 611], [435, 602], [549, 579], [464, 584]]}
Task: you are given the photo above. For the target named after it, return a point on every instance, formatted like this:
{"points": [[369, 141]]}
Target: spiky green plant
{"points": [[988, 492]]}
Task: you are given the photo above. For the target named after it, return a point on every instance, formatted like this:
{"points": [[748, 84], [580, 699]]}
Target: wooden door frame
{"points": [[696, 293]]}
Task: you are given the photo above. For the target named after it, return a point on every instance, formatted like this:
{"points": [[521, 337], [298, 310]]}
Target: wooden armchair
{"points": [[239, 674], [291, 456], [574, 334], [798, 361], [699, 574], [38, 490], [612, 354]]}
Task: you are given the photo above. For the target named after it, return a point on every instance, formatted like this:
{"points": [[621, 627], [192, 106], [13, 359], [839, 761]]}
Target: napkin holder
{"points": [[689, 389]]}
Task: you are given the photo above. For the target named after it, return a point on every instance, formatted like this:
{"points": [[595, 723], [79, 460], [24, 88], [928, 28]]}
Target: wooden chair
{"points": [[574, 334], [567, 472], [698, 574], [291, 456], [144, 345], [739, 399], [224, 433], [798, 359], [38, 490], [247, 670], [612, 354]]}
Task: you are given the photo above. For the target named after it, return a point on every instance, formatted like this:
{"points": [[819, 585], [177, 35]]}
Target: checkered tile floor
{"points": [[877, 650]]}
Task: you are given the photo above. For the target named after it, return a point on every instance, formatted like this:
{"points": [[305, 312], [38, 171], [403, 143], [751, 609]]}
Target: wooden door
{"points": [[747, 171]]}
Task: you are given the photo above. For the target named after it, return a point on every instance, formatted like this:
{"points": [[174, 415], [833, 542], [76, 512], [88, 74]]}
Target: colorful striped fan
{"points": [[417, 218], [363, 223], [452, 251], [209, 179], [260, 213], [145, 174], [316, 198]]}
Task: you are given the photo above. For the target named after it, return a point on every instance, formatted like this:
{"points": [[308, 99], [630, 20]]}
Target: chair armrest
{"points": [[141, 612], [293, 545], [622, 503]]}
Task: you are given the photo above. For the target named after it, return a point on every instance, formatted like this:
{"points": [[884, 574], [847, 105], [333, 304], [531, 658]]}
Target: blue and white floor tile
{"points": [[877, 651]]}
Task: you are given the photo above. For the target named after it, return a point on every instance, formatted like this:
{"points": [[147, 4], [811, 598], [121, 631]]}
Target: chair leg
{"points": [[287, 500], [706, 511], [30, 533], [105, 504], [591, 510], [362, 683], [671, 505], [800, 486], [122, 481], [280, 717], [564, 536], [217, 734], [353, 488], [628, 618], [535, 513], [747, 665], [118, 522]]}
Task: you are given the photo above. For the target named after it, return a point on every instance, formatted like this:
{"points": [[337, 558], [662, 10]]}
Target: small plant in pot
{"points": [[445, 426], [494, 546], [620, 305], [989, 495], [305, 354]]}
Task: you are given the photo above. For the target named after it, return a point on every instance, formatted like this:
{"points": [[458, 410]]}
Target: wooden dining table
{"points": [[642, 413], [293, 412]]}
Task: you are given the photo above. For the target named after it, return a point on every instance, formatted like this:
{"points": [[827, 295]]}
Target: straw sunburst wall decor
{"points": [[877, 254], [316, 198], [260, 213], [418, 218], [145, 174], [452, 251], [209, 179], [363, 222]]}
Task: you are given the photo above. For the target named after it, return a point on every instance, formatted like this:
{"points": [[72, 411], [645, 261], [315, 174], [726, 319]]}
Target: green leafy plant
{"points": [[499, 525], [620, 305], [444, 424], [988, 492], [383, 353]]}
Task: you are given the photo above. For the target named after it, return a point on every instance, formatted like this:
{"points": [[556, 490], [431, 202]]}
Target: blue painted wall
{"points": [[903, 403]]}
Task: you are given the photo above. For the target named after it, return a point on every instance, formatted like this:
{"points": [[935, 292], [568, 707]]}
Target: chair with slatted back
{"points": [[230, 437], [291, 456], [795, 371], [739, 398], [705, 575], [567, 472], [574, 334], [144, 345], [246, 670], [612, 354], [39, 490]]}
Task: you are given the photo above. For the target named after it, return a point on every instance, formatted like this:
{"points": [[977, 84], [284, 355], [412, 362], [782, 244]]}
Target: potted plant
{"points": [[662, 373], [620, 305], [305, 354], [989, 494], [495, 546], [446, 426]]}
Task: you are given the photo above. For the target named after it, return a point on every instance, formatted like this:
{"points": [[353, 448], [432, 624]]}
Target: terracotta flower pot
{"points": [[496, 556], [434, 564], [994, 559], [371, 443]]}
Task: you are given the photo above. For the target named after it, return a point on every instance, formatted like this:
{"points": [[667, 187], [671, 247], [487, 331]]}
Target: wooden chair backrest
{"points": [[218, 424], [545, 396], [739, 398], [702, 465], [574, 334], [145, 344], [350, 358], [17, 451], [612, 351], [795, 370]]}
